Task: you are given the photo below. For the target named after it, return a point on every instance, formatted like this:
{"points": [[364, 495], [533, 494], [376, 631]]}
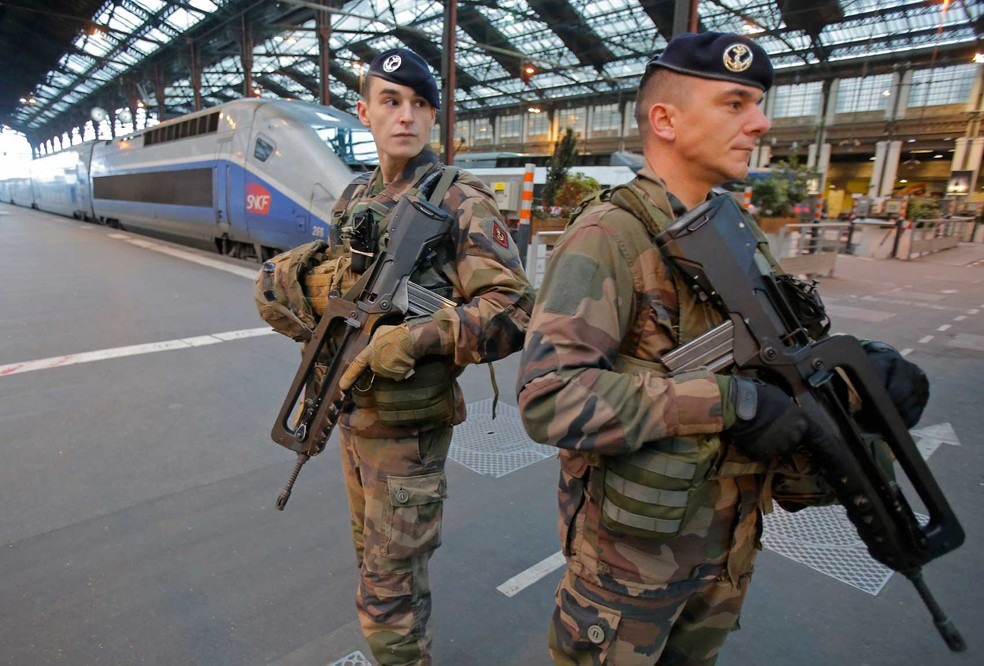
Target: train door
{"points": [[80, 192], [220, 182], [321, 204]]}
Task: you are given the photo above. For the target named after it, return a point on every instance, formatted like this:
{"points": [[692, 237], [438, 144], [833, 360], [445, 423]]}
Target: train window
{"points": [[262, 150], [213, 122]]}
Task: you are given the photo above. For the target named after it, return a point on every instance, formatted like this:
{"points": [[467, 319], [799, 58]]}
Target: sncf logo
{"points": [[257, 199]]}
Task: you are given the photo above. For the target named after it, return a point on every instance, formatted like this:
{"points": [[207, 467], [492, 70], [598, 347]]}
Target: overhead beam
{"points": [[477, 26], [431, 52], [574, 32]]}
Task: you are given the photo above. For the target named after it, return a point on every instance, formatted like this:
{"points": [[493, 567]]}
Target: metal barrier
{"points": [[809, 249], [538, 254], [927, 236]]}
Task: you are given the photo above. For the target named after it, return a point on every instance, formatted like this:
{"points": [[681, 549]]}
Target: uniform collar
{"points": [[412, 173], [655, 189]]}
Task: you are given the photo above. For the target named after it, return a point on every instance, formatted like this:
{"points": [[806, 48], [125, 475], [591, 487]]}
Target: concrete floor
{"points": [[137, 487]]}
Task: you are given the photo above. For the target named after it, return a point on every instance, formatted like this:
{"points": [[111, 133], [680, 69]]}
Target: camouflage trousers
{"points": [[592, 626], [396, 489]]}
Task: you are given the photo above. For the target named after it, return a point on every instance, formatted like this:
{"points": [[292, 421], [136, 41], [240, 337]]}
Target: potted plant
{"points": [[776, 195]]}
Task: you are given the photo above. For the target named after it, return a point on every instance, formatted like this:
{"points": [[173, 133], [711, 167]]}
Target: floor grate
{"points": [[354, 659], [496, 447], [824, 539]]}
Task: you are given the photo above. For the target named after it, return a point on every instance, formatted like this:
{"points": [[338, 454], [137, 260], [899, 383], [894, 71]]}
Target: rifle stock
{"points": [[383, 294], [714, 251]]}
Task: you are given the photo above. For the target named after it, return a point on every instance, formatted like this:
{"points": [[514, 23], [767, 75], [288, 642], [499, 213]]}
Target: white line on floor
{"points": [[906, 351], [943, 327], [132, 350], [927, 339], [521, 581], [241, 271], [959, 318], [973, 310]]}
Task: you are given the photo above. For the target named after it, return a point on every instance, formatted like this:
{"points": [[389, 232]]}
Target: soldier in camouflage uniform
{"points": [[663, 478], [395, 434]]}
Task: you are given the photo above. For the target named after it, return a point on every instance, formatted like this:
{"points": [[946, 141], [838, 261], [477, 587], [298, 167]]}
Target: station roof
{"points": [[66, 57]]}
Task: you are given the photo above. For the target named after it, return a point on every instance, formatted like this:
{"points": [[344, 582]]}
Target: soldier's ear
{"points": [[662, 121], [362, 109]]}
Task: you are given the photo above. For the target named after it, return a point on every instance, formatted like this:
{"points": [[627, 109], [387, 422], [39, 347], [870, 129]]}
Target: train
{"points": [[248, 178]]}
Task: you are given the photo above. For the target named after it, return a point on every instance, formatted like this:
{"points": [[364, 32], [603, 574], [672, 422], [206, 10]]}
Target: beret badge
{"points": [[392, 63], [737, 58]]}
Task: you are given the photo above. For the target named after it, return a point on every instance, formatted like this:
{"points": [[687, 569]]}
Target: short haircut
{"points": [[660, 86]]}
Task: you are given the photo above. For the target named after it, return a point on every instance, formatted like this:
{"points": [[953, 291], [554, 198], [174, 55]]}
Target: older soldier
{"points": [[395, 437], [662, 476]]}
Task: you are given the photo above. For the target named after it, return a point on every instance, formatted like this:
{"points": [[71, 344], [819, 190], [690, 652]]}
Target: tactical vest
{"points": [[653, 492], [426, 398]]}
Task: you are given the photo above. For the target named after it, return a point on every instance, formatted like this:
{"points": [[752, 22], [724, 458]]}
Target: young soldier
{"points": [[661, 476], [395, 435]]}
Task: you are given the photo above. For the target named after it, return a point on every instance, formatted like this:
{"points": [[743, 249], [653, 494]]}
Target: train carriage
{"points": [[248, 178]]}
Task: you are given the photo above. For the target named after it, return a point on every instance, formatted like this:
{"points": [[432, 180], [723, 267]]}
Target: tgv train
{"points": [[248, 178]]}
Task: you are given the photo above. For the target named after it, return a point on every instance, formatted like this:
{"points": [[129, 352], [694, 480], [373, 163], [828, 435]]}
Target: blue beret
{"points": [[716, 55], [406, 68]]}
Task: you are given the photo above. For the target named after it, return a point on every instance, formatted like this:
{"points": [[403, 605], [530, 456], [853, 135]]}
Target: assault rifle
{"points": [[383, 294], [766, 330]]}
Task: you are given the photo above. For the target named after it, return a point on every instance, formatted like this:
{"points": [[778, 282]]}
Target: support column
{"points": [[878, 169], [755, 159], [684, 16], [448, 82], [891, 168], [159, 94], [819, 150], [323, 31], [974, 156], [246, 57], [196, 76]]}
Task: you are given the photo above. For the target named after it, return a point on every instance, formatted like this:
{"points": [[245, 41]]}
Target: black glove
{"points": [[767, 421], [907, 385]]}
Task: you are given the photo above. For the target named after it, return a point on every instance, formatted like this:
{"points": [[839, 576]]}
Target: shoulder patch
{"points": [[499, 234]]}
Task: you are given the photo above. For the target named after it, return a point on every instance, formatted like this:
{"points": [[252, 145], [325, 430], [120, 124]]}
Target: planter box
{"points": [[772, 225]]}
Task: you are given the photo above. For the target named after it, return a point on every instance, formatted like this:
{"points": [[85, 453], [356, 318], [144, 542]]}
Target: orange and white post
{"points": [[525, 213]]}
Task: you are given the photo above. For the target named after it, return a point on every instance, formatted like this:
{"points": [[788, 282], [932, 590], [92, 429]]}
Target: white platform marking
{"points": [[131, 350], [241, 271], [521, 581]]}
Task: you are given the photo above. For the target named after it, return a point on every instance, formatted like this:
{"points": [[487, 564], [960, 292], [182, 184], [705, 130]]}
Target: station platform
{"points": [[138, 480]]}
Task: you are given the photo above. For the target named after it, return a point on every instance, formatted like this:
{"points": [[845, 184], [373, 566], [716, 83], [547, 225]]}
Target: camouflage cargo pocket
{"points": [[582, 626], [413, 520], [654, 491]]}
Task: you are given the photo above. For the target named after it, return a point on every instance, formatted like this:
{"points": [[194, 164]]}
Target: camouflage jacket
{"points": [[480, 270], [607, 298]]}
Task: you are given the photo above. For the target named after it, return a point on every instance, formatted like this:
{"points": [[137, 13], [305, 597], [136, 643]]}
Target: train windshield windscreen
{"points": [[354, 145]]}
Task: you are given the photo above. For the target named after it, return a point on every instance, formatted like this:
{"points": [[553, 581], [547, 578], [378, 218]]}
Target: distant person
{"points": [[395, 435], [663, 477]]}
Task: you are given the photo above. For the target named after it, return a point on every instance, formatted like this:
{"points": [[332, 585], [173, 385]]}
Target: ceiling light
{"points": [[534, 109], [979, 58], [937, 157]]}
